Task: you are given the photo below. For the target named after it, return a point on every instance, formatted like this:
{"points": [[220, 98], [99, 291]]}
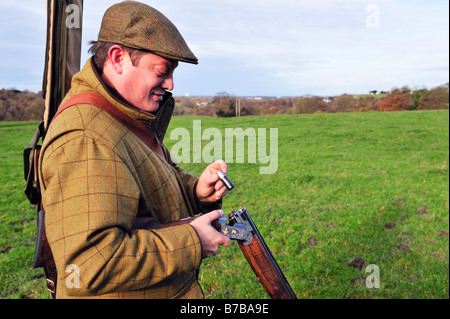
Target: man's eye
{"points": [[161, 72]]}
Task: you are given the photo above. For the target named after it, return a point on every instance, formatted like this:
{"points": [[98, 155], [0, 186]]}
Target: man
{"points": [[106, 193]]}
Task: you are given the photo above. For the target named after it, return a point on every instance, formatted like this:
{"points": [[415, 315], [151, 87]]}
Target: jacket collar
{"points": [[88, 79]]}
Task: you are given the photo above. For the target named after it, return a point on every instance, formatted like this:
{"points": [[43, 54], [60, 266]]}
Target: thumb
{"points": [[213, 215]]}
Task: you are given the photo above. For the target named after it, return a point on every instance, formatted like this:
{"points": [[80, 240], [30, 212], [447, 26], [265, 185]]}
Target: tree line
{"points": [[398, 99], [18, 105]]}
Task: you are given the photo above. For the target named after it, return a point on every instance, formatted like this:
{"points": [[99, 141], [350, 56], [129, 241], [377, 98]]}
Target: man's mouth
{"points": [[158, 96]]}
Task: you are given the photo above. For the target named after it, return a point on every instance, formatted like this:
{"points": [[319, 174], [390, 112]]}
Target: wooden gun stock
{"points": [[262, 261], [267, 270]]}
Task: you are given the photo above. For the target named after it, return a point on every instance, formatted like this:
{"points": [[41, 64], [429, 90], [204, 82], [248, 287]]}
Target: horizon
{"points": [[446, 85]]}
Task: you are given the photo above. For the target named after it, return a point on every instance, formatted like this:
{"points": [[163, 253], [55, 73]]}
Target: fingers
{"points": [[209, 187], [223, 240], [221, 192], [218, 165], [213, 215], [226, 242], [210, 238]]}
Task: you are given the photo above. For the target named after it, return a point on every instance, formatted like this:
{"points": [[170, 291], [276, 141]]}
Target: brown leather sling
{"points": [[139, 129]]}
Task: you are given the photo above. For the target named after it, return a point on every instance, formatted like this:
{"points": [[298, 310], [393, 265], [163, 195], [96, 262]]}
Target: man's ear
{"points": [[116, 56]]}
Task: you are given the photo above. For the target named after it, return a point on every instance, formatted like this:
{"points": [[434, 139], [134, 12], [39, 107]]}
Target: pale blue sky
{"points": [[266, 47]]}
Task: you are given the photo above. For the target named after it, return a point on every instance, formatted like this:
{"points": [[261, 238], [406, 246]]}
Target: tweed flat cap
{"points": [[139, 26]]}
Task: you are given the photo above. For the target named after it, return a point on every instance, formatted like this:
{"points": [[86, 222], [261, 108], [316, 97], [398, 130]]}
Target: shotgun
{"points": [[240, 227]]}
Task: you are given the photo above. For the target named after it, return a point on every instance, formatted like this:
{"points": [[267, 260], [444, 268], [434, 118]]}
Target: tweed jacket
{"points": [[96, 178]]}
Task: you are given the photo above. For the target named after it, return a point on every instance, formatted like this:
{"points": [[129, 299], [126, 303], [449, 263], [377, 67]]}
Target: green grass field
{"points": [[373, 186]]}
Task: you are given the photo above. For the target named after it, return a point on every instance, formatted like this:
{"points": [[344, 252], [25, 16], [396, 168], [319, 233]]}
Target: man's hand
{"points": [[209, 187], [210, 238]]}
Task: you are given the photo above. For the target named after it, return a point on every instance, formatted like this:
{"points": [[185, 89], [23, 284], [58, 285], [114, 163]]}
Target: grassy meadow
{"points": [[351, 189]]}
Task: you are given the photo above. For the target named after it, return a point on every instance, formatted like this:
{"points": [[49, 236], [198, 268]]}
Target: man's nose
{"points": [[167, 84]]}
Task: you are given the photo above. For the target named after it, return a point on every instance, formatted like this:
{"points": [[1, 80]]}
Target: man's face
{"points": [[144, 85]]}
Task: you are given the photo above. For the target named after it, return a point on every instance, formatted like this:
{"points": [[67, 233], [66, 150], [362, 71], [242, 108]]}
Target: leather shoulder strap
{"points": [[136, 127]]}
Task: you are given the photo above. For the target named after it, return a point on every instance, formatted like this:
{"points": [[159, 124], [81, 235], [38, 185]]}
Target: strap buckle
{"points": [[51, 276], [51, 286]]}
